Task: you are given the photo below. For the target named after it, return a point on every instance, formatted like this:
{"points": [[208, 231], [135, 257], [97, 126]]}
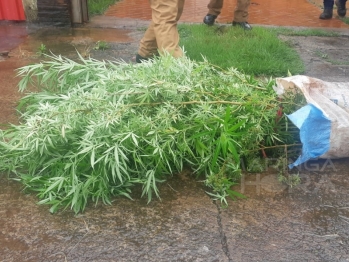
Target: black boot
{"points": [[243, 25], [327, 14], [140, 59], [209, 19], [341, 10]]}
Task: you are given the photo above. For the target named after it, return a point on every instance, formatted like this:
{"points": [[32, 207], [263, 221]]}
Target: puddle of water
{"points": [[69, 41], [95, 34], [58, 40]]}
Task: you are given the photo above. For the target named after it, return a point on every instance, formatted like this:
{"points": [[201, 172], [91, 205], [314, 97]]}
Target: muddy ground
{"points": [[308, 222]]}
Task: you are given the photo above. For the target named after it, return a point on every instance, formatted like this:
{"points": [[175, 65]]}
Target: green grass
{"points": [[256, 52], [345, 20], [98, 7]]}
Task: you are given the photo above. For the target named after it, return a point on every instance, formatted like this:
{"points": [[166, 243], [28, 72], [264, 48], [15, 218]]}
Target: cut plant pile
{"points": [[95, 128]]}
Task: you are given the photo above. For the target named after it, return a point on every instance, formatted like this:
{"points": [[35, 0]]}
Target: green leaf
{"points": [[223, 144], [236, 126], [58, 182], [233, 151], [227, 117], [234, 194], [92, 159], [216, 154]]}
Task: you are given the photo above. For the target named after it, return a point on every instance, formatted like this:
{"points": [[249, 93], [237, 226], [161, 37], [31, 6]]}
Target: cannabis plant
{"points": [[93, 129]]}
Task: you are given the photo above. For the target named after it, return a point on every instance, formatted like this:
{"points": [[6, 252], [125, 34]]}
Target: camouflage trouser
{"points": [[162, 34], [240, 13]]}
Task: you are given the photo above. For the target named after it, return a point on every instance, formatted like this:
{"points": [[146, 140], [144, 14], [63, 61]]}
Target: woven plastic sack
{"points": [[324, 121]]}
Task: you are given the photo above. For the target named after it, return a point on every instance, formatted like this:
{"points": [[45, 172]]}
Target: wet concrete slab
{"points": [[309, 222], [324, 58], [181, 227], [9, 94], [11, 35]]}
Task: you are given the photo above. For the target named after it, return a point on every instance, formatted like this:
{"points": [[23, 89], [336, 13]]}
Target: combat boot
{"points": [[209, 19], [326, 14]]}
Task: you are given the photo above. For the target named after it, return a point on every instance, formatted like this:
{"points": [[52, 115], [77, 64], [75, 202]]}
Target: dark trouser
{"points": [[328, 4]]}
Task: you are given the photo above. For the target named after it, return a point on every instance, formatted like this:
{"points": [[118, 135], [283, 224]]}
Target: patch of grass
{"points": [[98, 7], [42, 49], [256, 52], [101, 45], [345, 20]]}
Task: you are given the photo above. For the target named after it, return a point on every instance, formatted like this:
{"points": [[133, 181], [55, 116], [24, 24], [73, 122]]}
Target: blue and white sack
{"points": [[324, 121]]}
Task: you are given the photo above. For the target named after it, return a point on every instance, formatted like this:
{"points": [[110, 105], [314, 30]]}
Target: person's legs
{"points": [[214, 9], [165, 16], [241, 11], [162, 34], [328, 4], [148, 46], [180, 9], [241, 14], [328, 9]]}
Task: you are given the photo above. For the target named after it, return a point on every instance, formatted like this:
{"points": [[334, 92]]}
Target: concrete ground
{"points": [[309, 222]]}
